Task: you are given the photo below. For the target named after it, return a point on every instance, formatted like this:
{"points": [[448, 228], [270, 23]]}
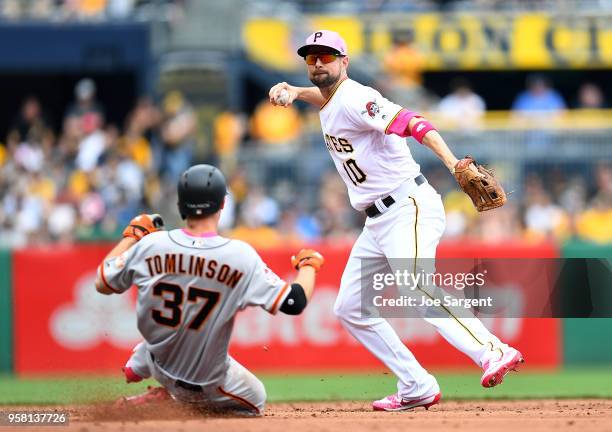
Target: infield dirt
{"points": [[498, 416]]}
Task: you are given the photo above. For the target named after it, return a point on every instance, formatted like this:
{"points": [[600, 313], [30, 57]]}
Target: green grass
{"points": [[573, 383], [568, 384]]}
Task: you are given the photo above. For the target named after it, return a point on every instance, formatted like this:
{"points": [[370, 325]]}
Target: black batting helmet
{"points": [[201, 191]]}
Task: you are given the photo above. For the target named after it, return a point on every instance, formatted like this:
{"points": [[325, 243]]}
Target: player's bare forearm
{"points": [[122, 246], [306, 278], [311, 95], [436, 143]]}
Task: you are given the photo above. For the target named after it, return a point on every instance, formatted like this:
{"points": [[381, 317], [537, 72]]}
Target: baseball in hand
{"points": [[283, 97]]}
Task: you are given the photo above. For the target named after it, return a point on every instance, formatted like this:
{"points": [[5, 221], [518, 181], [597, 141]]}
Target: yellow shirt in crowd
{"points": [[405, 66], [275, 124], [595, 225]]}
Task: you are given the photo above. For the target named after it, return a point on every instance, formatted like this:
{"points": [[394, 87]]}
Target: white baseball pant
{"points": [[241, 392], [410, 228]]}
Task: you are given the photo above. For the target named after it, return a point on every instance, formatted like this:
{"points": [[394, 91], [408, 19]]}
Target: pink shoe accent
{"points": [[130, 375], [152, 395], [496, 369], [395, 402]]}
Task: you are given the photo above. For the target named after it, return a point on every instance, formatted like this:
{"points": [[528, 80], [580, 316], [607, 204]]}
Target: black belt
{"points": [[388, 201], [188, 386], [183, 384]]}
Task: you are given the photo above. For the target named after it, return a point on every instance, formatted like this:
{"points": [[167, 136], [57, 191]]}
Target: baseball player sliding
{"points": [[365, 135], [191, 283]]}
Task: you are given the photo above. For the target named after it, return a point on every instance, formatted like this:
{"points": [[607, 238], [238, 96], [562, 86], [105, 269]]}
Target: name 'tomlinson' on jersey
{"points": [[178, 263]]}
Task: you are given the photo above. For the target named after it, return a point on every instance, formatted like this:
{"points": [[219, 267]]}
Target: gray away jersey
{"points": [[189, 290]]}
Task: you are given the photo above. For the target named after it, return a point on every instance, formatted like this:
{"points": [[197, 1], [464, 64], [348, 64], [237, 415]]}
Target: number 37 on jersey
{"points": [[343, 146]]}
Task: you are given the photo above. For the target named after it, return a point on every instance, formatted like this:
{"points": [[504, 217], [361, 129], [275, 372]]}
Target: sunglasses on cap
{"points": [[311, 59]]}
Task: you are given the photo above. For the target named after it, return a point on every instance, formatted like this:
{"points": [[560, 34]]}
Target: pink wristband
{"points": [[420, 129]]}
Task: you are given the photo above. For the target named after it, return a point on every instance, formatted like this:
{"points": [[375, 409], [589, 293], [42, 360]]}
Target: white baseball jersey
{"points": [[371, 163], [189, 290]]}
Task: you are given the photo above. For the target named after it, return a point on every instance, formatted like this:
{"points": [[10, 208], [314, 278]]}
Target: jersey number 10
{"points": [[354, 172], [173, 305]]}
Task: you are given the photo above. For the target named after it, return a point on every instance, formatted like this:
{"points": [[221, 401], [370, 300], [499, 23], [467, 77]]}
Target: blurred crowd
{"points": [[90, 10], [146, 10], [391, 6], [86, 181], [90, 178], [554, 205], [401, 79]]}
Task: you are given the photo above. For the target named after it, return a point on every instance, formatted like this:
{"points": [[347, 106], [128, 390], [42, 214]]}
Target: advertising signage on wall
{"points": [[62, 325], [451, 41]]}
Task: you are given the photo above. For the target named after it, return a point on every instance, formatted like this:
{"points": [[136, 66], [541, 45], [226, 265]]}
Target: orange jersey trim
{"points": [[105, 282], [278, 297], [239, 399], [333, 92]]}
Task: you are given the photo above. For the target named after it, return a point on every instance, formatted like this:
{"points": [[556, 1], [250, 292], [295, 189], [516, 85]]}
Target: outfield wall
{"points": [[72, 328], [60, 324], [588, 341], [6, 313]]}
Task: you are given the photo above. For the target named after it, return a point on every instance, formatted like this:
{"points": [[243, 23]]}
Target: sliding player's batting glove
{"points": [[143, 225], [307, 257]]}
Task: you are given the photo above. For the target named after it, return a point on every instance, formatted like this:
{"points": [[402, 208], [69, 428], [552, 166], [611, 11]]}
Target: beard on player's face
{"points": [[323, 75], [323, 79]]}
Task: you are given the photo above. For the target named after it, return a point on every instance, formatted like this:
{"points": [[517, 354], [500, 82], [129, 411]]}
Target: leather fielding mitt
{"points": [[482, 187], [307, 257], [143, 225]]}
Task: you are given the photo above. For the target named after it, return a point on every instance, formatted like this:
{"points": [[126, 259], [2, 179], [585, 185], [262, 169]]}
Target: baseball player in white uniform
{"points": [[366, 137], [191, 283]]}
